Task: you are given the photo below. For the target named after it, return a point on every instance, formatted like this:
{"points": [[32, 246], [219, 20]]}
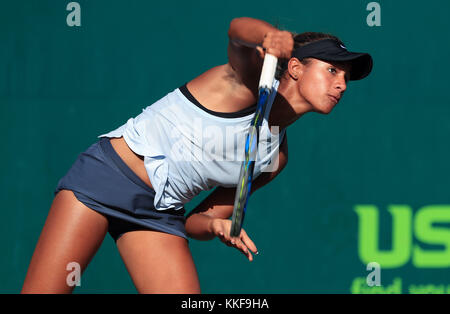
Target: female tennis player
{"points": [[134, 182]]}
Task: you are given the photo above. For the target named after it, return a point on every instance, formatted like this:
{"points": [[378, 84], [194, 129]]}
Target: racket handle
{"points": [[268, 71]]}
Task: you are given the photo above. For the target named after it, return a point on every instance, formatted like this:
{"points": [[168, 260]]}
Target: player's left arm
{"points": [[210, 218], [266, 177]]}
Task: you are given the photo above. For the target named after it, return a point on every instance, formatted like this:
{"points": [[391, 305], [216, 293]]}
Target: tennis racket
{"points": [[251, 145]]}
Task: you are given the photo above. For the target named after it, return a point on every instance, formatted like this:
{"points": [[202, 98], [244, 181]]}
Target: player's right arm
{"points": [[247, 38]]}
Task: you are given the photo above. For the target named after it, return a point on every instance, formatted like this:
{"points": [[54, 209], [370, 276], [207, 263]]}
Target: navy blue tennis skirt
{"points": [[102, 181]]}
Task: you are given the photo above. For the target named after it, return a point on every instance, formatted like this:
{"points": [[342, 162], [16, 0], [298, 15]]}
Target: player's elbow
{"points": [[283, 157], [232, 28], [283, 162]]}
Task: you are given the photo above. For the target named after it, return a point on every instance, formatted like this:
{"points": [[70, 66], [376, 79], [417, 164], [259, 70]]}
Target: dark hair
{"points": [[301, 40]]}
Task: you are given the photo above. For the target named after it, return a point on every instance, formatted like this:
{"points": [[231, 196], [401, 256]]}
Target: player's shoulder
{"points": [[244, 64], [221, 89]]}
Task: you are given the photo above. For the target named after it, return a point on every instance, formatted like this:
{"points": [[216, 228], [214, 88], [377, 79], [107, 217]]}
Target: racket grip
{"points": [[268, 71]]}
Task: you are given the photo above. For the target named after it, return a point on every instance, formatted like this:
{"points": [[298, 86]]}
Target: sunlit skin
{"points": [[159, 262], [315, 87]]}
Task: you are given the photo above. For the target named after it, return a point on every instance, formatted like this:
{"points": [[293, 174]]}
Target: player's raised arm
{"points": [[249, 39]]}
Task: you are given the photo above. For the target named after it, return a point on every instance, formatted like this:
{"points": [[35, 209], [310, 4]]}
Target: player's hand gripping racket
{"points": [[251, 145]]}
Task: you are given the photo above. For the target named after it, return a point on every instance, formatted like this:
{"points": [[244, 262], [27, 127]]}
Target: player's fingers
{"points": [[224, 239], [274, 52], [235, 242], [243, 248], [261, 51], [248, 242], [239, 244]]}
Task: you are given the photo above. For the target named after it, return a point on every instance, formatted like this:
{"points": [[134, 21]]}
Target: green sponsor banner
{"points": [[411, 233]]}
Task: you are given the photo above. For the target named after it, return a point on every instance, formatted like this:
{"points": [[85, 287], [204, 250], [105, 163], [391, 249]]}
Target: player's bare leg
{"points": [[72, 233], [159, 262]]}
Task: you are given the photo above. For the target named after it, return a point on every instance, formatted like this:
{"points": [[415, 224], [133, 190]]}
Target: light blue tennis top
{"points": [[188, 149]]}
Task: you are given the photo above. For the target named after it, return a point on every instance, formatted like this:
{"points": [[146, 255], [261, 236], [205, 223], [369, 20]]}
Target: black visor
{"points": [[331, 50]]}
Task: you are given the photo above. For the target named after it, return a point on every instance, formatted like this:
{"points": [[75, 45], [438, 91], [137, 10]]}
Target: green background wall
{"points": [[386, 144]]}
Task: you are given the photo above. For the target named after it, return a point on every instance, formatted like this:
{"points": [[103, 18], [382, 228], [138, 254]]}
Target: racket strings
{"points": [[246, 176], [250, 147]]}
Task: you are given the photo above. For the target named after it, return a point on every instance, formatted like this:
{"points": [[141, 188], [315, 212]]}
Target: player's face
{"points": [[322, 84]]}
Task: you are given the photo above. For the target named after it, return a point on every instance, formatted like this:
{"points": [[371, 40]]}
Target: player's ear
{"points": [[295, 68]]}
